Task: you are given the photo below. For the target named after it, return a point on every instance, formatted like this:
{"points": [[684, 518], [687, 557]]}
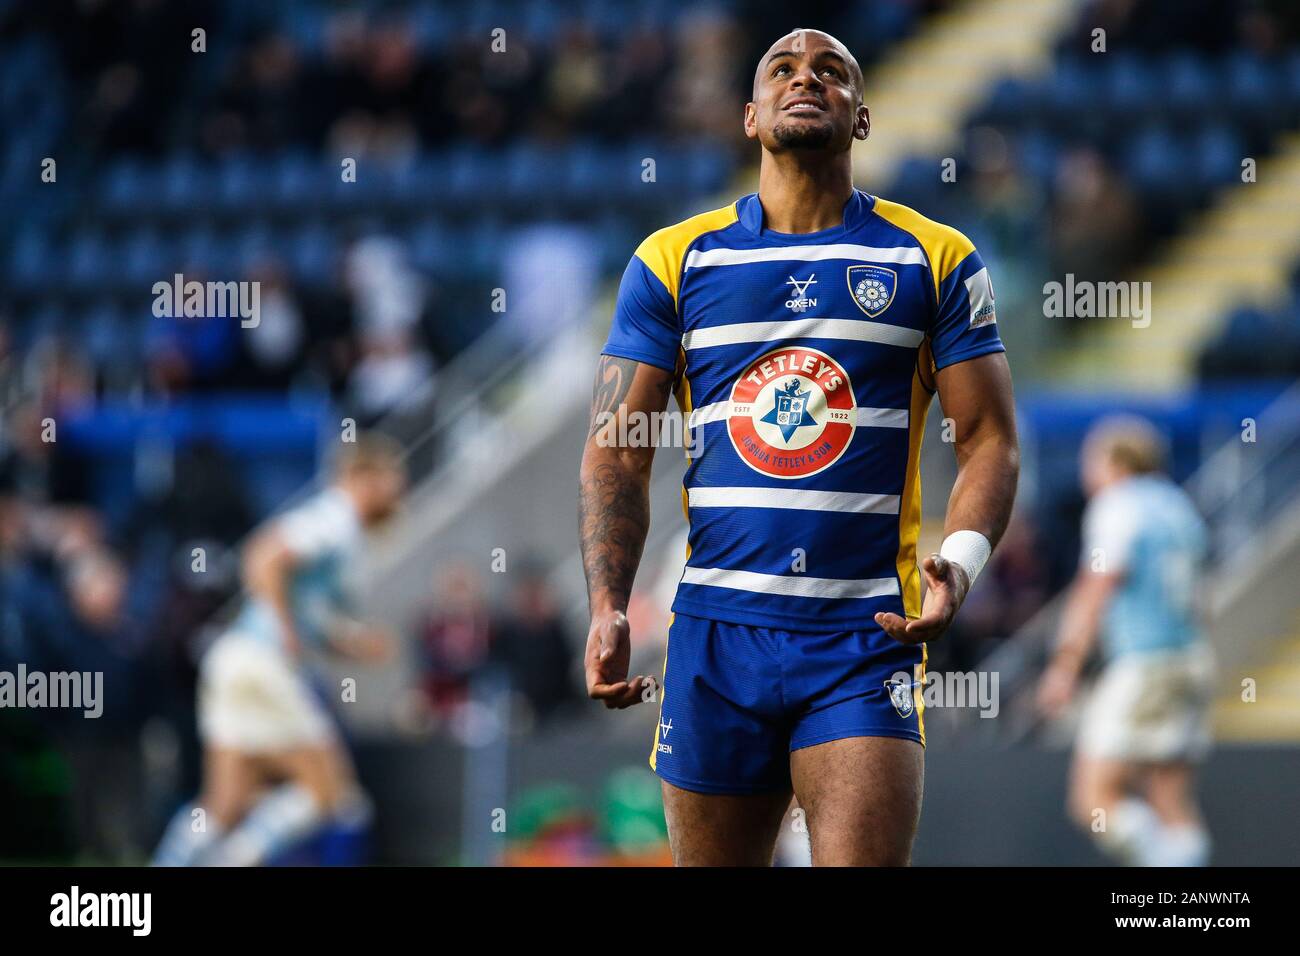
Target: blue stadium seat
{"points": [[587, 176], [707, 169], [184, 184], [540, 20], [530, 171], [1156, 160], [104, 336], [917, 178], [1219, 152], [1010, 99], [305, 25], [237, 186], [89, 260], [142, 259], [616, 241], [298, 180], [432, 248], [124, 186], [1252, 83], [44, 321], [312, 253], [429, 25], [1189, 85], [255, 243], [415, 182], [479, 250], [1071, 86], [473, 177], [627, 184], [369, 186], [1290, 88], [1038, 154], [200, 249], [1131, 84], [33, 264]]}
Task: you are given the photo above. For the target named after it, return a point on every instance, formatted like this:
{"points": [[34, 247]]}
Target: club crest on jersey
{"points": [[872, 288], [900, 695], [791, 409], [792, 413]]}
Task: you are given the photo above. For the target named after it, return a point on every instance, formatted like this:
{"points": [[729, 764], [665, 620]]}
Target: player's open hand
{"points": [[946, 587], [609, 651]]}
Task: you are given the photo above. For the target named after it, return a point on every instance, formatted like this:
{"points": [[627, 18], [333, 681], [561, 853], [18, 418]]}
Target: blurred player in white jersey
{"points": [[275, 770], [1146, 722]]}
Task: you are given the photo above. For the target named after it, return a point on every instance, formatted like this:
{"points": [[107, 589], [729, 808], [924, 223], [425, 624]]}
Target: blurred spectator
{"points": [[276, 346], [551, 276], [192, 353], [258, 104], [532, 644], [701, 98], [1096, 227], [388, 299], [455, 637]]}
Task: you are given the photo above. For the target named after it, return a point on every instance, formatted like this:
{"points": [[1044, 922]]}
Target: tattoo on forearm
{"points": [[614, 500], [613, 517]]}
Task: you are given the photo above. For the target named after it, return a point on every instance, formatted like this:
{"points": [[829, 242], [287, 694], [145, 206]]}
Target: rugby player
{"points": [[1146, 723], [804, 329], [275, 770]]}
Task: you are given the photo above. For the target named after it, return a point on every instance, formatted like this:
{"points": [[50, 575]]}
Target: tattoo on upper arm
{"points": [[614, 377]]}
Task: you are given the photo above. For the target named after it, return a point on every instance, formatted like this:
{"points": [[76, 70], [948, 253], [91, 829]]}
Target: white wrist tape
{"points": [[970, 549]]}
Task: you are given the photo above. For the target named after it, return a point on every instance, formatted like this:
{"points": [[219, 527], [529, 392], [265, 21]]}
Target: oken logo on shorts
{"points": [[664, 746], [792, 413], [900, 695]]}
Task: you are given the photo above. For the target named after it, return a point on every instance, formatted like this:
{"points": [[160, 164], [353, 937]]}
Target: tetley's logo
{"points": [[792, 413]]}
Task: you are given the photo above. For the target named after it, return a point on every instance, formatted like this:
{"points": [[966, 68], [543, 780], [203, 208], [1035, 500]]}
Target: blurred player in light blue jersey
{"points": [[275, 771], [1146, 722]]}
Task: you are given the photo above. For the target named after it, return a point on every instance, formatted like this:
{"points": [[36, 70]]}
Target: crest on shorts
{"points": [[872, 287], [900, 695]]}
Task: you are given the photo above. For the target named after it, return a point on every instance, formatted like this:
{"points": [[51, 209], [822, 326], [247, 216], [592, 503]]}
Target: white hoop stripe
{"points": [[791, 585], [905, 255], [785, 330], [797, 499]]}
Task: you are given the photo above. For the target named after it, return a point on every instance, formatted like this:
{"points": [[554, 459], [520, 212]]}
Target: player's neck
{"points": [[800, 195]]}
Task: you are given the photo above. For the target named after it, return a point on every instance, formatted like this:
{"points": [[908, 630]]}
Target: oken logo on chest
{"points": [[799, 300]]}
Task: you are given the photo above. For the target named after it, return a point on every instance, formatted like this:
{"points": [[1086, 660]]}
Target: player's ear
{"points": [[751, 120], [862, 127]]}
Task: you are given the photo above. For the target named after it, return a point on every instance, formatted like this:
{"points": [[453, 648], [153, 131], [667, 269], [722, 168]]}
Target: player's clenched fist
{"points": [[609, 651]]}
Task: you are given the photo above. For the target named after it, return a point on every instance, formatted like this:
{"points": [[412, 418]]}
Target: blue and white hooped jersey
{"points": [[801, 356]]}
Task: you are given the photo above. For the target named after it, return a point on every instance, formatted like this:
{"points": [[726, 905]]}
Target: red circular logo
{"points": [[792, 413]]}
